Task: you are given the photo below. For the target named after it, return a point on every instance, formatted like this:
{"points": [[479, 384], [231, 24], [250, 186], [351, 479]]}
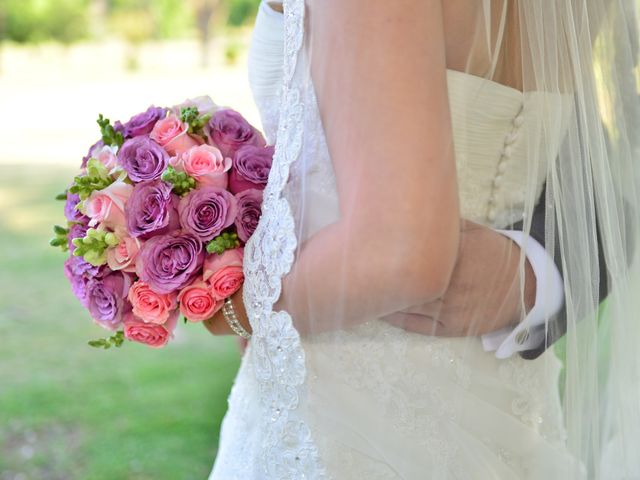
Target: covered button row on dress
{"points": [[507, 150]]}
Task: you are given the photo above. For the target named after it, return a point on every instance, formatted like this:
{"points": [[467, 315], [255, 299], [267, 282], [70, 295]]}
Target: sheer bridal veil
{"points": [[559, 81]]}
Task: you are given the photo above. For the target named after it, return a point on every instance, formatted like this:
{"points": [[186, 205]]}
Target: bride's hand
{"points": [[217, 325], [484, 291]]}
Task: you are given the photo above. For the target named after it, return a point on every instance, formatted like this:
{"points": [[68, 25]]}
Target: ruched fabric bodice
{"points": [[493, 128], [375, 401]]}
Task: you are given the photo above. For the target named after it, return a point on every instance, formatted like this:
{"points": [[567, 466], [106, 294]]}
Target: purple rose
{"points": [[169, 262], [251, 166], [229, 131], [79, 272], [99, 144], [76, 230], [71, 212], [206, 211], [142, 123], [151, 209], [77, 279], [107, 298], [249, 211], [143, 159], [118, 127], [79, 266]]}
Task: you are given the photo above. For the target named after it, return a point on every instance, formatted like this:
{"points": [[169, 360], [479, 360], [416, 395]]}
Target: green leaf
{"points": [[115, 340], [99, 343], [96, 178], [181, 182], [224, 241], [118, 338], [62, 196], [189, 114], [60, 239], [109, 135], [93, 246], [60, 230], [196, 122]]}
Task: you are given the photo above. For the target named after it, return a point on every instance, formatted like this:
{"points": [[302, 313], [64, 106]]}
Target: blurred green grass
{"points": [[68, 411]]}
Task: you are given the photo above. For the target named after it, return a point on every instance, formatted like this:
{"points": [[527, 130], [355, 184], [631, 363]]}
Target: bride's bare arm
{"points": [[380, 77]]}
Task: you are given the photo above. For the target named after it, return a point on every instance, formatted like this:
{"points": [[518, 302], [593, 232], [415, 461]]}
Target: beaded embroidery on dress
{"points": [[444, 408]]}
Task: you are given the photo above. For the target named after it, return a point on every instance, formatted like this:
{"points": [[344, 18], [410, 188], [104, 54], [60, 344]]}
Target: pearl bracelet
{"points": [[230, 316]]}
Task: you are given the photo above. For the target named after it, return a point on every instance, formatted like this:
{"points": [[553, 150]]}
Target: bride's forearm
{"points": [[388, 129], [340, 278]]}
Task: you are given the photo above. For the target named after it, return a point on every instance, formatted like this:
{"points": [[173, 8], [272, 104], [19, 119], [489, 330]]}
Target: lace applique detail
{"points": [[278, 358], [372, 358], [360, 466], [269, 108], [534, 404]]}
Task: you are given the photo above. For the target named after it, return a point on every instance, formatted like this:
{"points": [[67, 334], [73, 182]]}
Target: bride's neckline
{"points": [[504, 89], [481, 81]]}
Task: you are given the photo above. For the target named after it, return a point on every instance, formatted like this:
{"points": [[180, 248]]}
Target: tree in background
{"points": [[135, 21], [240, 11], [64, 21], [134, 27], [3, 30], [138, 21], [204, 11], [98, 17]]}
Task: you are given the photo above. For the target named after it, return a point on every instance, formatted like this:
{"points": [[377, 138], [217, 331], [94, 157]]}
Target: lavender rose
{"points": [[151, 209], [79, 272], [96, 146], [71, 212], [169, 262], [143, 159], [251, 166], [142, 123], [106, 298], [249, 211], [79, 266], [77, 279], [76, 230], [206, 211], [119, 127], [229, 131]]}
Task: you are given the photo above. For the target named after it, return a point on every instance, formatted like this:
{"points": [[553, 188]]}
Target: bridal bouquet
{"points": [[158, 217]]}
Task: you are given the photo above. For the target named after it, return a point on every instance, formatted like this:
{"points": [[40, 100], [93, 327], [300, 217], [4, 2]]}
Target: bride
{"points": [[400, 297]]}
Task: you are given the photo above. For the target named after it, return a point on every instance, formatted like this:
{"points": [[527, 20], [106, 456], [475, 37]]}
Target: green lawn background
{"points": [[69, 411]]}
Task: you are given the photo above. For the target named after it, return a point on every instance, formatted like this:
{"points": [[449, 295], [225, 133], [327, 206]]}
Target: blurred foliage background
{"points": [[135, 21], [68, 411]]}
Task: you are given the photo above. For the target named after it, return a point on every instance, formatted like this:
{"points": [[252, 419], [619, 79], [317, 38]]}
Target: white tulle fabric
{"points": [[374, 401]]}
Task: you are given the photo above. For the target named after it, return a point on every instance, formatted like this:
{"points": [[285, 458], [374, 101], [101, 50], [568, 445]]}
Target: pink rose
{"points": [[224, 272], [123, 256], [105, 154], [197, 302], [107, 205], [150, 334], [150, 306], [207, 165], [172, 134]]}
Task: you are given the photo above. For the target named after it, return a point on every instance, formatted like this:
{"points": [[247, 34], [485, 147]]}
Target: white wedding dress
{"points": [[374, 401]]}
